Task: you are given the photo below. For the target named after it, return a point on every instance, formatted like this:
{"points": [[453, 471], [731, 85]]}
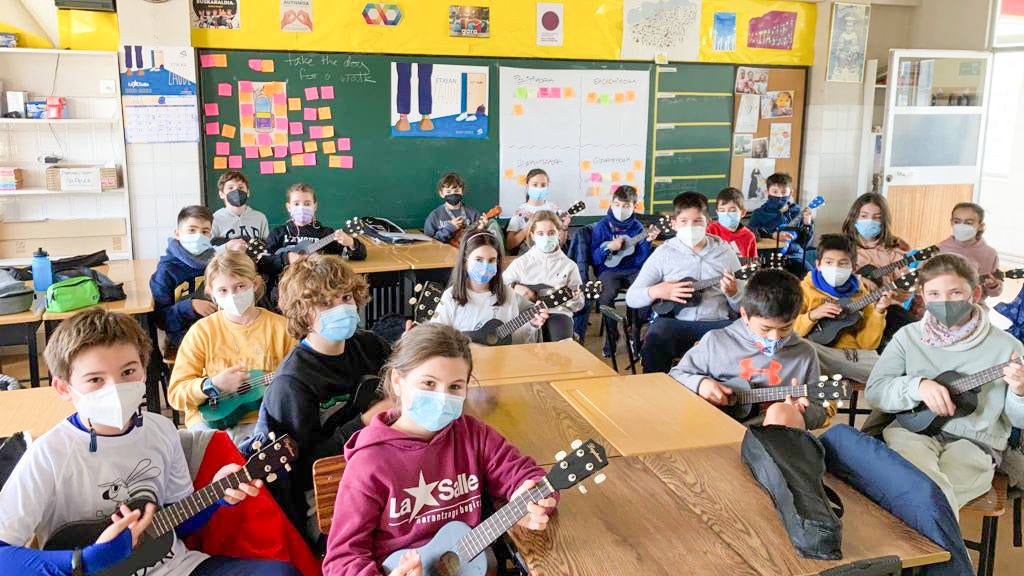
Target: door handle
{"points": [[888, 177]]}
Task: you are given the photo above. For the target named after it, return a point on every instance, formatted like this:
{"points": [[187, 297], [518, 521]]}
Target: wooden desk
{"points": [[547, 362], [21, 329], [378, 260], [767, 244], [533, 417], [135, 275], [426, 255], [33, 409], [717, 485], [649, 413]]}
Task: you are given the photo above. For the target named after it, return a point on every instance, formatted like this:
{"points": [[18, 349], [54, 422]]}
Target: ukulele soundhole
{"points": [[492, 339], [447, 565]]}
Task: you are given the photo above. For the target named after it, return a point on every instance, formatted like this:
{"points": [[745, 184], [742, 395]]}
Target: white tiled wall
{"points": [[165, 178], [831, 159]]}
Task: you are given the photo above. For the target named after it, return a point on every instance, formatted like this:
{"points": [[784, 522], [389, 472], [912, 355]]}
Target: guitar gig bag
{"points": [[790, 465]]}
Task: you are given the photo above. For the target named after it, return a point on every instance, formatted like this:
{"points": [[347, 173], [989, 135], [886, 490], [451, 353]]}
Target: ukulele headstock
{"points": [[354, 226], [592, 290], [583, 461], [271, 458], [924, 253], [907, 281], [746, 272], [557, 298], [1015, 274], [426, 302], [576, 208], [255, 248], [816, 202], [833, 388]]}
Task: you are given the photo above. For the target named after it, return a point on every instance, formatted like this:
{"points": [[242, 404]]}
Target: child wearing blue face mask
{"points": [[782, 217], [761, 348], [386, 498], [177, 282], [320, 297], [476, 292], [536, 200], [728, 226]]}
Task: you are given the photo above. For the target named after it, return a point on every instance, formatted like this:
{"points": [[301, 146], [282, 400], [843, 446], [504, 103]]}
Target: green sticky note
{"points": [[606, 99], [521, 93]]}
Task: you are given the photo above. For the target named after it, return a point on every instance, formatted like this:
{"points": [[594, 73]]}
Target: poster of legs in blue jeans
{"points": [[442, 101]]}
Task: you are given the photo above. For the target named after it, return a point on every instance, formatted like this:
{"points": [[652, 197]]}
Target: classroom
{"points": [[566, 287]]}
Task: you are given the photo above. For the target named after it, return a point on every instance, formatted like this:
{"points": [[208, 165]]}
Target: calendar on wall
{"points": [[158, 88], [152, 119]]}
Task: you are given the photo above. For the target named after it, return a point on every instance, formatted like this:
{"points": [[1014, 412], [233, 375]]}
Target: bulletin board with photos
{"points": [[768, 128]]}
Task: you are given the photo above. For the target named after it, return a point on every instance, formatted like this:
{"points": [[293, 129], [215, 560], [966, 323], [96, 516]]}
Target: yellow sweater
{"points": [[214, 344], [865, 335]]}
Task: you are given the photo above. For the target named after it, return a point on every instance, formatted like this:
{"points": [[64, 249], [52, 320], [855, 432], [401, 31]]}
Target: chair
{"points": [[990, 506], [610, 314], [855, 390], [326, 479]]}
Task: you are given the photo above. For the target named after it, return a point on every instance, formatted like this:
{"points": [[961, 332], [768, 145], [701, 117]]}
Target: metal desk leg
{"points": [[33, 353], [155, 369]]}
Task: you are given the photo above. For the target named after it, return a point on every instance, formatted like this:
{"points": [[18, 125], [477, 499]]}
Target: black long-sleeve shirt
{"points": [[290, 234]]}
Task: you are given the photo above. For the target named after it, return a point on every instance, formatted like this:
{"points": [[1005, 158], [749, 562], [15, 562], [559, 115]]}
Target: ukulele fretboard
{"points": [[978, 379], [770, 394], [176, 514], [498, 523]]}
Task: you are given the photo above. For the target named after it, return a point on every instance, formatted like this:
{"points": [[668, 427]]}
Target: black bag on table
{"points": [[24, 273], [109, 291], [790, 464]]}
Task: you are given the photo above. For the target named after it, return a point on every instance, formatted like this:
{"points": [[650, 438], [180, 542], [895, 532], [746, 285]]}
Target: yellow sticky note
{"points": [[616, 176], [244, 97], [509, 173], [595, 191], [638, 164], [280, 110], [268, 65], [521, 179], [620, 97], [220, 163], [279, 167], [517, 109], [568, 92], [604, 204], [631, 96], [585, 165], [329, 147], [266, 151], [248, 122], [309, 146], [630, 176], [328, 132], [280, 139], [334, 161], [248, 139], [324, 112], [294, 104], [227, 131], [591, 97], [298, 160]]}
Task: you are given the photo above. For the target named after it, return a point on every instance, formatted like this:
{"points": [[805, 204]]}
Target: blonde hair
{"points": [[315, 283], [91, 328], [299, 187], [426, 341], [947, 263], [544, 216], [237, 264]]}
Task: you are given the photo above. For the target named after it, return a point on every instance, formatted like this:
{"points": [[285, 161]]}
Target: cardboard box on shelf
{"points": [[62, 238]]}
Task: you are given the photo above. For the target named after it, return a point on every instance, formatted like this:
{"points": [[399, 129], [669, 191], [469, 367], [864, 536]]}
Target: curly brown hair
{"points": [[316, 282], [91, 328]]}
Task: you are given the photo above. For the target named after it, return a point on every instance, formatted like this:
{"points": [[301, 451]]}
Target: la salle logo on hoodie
{"points": [[454, 496]]}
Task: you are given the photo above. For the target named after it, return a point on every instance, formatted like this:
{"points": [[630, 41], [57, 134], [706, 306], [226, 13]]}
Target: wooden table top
{"points": [[546, 362], [717, 485], [33, 314], [426, 255], [649, 413], [767, 244], [135, 275], [378, 259], [533, 417], [33, 409]]}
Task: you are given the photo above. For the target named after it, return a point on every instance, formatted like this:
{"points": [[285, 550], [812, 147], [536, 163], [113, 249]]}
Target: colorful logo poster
{"points": [[296, 15], [444, 101], [223, 14], [158, 94], [471, 21], [550, 18], [774, 30]]}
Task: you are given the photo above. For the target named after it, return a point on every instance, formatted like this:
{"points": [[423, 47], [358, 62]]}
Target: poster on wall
{"points": [[748, 113], [443, 101], [263, 113], [724, 32], [741, 144], [848, 41], [586, 128], [296, 15], [780, 140], [222, 14], [550, 18], [777, 104], [663, 29], [471, 21], [751, 80], [773, 30], [754, 186], [759, 148], [158, 94]]}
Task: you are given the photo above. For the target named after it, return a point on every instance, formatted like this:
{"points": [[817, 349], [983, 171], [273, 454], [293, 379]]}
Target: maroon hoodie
{"points": [[397, 491]]}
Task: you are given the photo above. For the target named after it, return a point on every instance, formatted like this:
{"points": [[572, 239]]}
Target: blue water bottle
{"points": [[42, 271]]}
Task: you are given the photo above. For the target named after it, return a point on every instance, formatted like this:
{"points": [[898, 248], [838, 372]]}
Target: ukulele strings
{"points": [[252, 383]]}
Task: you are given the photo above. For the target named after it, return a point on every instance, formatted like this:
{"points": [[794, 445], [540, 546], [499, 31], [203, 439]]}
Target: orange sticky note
{"points": [[294, 104], [521, 179], [334, 161], [591, 97], [309, 146], [568, 92], [248, 139], [631, 96], [638, 164], [509, 173], [227, 131], [268, 65], [604, 204], [517, 109], [244, 97], [620, 97], [594, 190], [324, 112], [329, 147], [280, 138], [279, 167], [585, 165], [616, 176], [266, 151], [298, 159], [328, 132], [248, 122], [280, 110], [630, 176], [220, 163]]}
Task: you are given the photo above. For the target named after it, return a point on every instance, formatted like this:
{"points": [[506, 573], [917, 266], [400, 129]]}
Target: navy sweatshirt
{"points": [[178, 278], [606, 230]]}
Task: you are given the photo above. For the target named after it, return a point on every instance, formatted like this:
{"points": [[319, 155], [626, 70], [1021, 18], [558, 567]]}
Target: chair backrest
{"points": [[326, 478], [579, 249]]}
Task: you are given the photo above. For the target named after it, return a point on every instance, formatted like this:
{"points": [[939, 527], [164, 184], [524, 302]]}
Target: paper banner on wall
{"points": [[656, 28], [753, 186], [263, 113], [586, 128], [748, 113], [158, 88], [296, 15], [550, 26], [741, 144], [780, 140], [723, 35], [455, 106], [774, 30], [767, 32], [223, 14], [777, 104]]}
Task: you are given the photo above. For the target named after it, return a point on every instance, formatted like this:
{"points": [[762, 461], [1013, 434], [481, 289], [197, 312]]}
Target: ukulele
{"points": [[670, 308], [256, 248], [963, 390], [353, 227], [457, 549], [456, 239], [494, 332], [766, 260], [591, 290], [425, 305], [615, 257], [155, 543], [228, 409], [576, 208], [872, 273], [797, 223], [1015, 274], [827, 330], [745, 399]]}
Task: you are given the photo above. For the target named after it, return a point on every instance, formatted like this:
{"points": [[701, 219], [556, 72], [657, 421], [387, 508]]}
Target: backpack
{"points": [[72, 294], [15, 296], [109, 291]]}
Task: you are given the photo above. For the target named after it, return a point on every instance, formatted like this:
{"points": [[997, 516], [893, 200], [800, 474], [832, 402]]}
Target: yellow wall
{"points": [[87, 30]]}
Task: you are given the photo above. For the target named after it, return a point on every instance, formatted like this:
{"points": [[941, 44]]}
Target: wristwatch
{"points": [[76, 563]]}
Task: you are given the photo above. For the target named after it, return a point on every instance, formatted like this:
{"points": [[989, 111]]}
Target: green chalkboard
{"points": [[391, 177]]}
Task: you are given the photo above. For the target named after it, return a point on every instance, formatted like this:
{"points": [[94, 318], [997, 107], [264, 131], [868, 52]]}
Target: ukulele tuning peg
{"points": [[256, 445], [822, 378], [600, 478], [412, 301], [837, 377], [271, 477], [839, 403], [273, 436], [418, 287], [560, 455], [583, 489], [288, 467], [576, 443]]}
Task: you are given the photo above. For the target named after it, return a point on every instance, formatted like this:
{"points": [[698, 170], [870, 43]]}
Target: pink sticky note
{"points": [[543, 92], [223, 89], [246, 110], [327, 92], [344, 143], [281, 123], [211, 109], [252, 152], [245, 85], [295, 128], [555, 92], [256, 65], [207, 61], [267, 167], [223, 148], [280, 98], [311, 93], [309, 114], [212, 128], [295, 147], [595, 176], [310, 159], [280, 151], [346, 162], [316, 132], [263, 139], [234, 162]]}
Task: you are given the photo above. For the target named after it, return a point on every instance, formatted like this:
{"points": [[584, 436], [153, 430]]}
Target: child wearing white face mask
{"points": [[968, 220], [545, 264], [229, 350], [536, 200], [692, 255], [853, 353]]}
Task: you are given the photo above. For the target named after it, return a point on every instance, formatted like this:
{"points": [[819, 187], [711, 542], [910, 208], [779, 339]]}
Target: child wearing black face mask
{"points": [[447, 222], [237, 222]]}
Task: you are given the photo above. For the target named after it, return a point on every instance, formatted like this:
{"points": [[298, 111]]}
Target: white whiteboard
{"points": [[586, 128]]}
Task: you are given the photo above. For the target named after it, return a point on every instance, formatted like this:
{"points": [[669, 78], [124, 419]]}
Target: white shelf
{"points": [[45, 192], [37, 121], [55, 51]]}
